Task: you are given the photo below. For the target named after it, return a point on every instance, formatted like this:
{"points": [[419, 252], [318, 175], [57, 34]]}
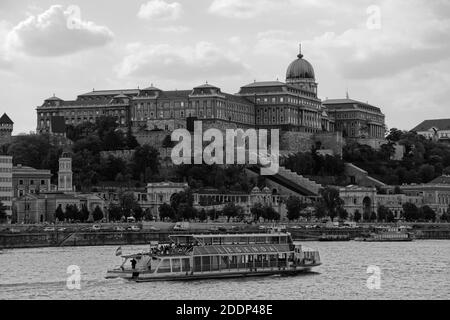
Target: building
{"points": [[435, 193], [292, 105], [6, 128], [356, 119], [38, 208], [437, 129], [30, 180], [6, 186], [366, 200]]}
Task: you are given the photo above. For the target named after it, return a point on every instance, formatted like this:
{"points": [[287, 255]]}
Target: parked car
{"points": [[48, 229], [181, 226], [118, 228], [96, 227], [62, 229], [213, 228], [153, 228], [222, 229], [134, 228]]}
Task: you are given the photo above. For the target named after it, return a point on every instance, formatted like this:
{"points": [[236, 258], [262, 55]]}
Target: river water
{"points": [[409, 270]]}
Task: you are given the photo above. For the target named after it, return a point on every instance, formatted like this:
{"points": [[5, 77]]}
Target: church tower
{"points": [[6, 128], [65, 173]]}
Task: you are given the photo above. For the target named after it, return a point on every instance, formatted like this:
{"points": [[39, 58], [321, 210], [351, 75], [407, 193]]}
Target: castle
{"points": [[291, 106]]}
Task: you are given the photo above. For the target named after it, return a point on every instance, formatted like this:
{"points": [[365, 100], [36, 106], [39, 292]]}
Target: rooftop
{"points": [[440, 124], [5, 119]]}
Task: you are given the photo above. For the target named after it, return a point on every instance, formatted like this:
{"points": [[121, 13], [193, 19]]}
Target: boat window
{"points": [[164, 266], [206, 263], [216, 240], [176, 265], [233, 262], [215, 263], [197, 264], [251, 240], [186, 264], [274, 240], [260, 239], [207, 241], [283, 240]]}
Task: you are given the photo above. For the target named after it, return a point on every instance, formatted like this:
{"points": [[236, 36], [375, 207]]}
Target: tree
{"points": [[166, 212], [294, 206], [382, 213], [145, 159], [331, 201], [138, 213], [269, 213], [373, 216], [202, 215], [97, 214], [342, 213], [213, 214], [59, 213], [428, 213], [445, 217], [410, 211], [257, 211], [115, 212], [390, 216], [320, 210], [84, 213], [167, 142], [230, 210], [357, 216], [128, 203]]}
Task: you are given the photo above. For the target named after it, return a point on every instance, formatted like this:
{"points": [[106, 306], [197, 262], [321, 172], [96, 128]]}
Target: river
{"points": [[409, 270]]}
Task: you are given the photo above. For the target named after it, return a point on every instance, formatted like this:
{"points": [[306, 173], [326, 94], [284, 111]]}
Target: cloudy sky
{"points": [[392, 53]]}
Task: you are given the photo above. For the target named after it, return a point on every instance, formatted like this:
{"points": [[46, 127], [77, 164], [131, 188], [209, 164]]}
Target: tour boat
{"points": [[389, 234], [211, 256]]}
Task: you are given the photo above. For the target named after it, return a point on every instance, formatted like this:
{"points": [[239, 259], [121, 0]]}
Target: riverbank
{"points": [[35, 236]]}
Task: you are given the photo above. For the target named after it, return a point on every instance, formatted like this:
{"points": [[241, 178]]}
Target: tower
{"points": [[6, 128], [65, 173], [300, 73]]}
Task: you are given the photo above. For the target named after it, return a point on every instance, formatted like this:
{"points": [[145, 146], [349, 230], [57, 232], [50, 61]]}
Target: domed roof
{"points": [[300, 69], [266, 190], [256, 190]]}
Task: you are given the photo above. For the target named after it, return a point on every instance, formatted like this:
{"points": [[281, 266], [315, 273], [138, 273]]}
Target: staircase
{"points": [[306, 183], [292, 181]]}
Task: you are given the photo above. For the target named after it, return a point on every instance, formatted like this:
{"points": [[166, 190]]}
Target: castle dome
{"points": [[300, 69]]}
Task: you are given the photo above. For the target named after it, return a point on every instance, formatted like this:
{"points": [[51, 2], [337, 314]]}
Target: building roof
{"points": [[20, 169], [440, 124], [346, 102], [111, 92], [54, 98], [300, 69], [5, 119], [264, 84], [444, 179], [206, 85]]}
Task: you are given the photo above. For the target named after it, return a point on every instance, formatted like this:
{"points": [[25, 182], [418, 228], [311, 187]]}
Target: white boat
{"points": [[197, 256]]}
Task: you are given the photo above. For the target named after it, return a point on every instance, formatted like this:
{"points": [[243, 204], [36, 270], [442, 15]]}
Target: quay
{"points": [[22, 236]]}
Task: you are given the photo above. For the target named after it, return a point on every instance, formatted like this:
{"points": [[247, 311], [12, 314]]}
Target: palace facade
{"points": [[290, 106]]}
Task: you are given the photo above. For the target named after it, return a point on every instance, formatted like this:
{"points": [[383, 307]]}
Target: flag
{"points": [[119, 251]]}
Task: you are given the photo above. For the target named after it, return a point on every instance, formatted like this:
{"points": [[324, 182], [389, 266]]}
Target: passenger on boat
{"points": [[133, 264]]}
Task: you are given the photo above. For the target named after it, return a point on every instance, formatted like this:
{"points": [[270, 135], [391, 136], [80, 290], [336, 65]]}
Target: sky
{"points": [[393, 54]]}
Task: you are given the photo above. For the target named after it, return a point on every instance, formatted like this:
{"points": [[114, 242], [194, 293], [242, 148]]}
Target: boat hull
{"points": [[148, 277]]}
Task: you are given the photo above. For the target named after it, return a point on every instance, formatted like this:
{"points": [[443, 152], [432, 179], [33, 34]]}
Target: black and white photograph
{"points": [[235, 151]]}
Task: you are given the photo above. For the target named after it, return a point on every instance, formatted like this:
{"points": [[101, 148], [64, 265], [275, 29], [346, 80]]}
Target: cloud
{"points": [[247, 9], [178, 63], [56, 32], [160, 10], [401, 43]]}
